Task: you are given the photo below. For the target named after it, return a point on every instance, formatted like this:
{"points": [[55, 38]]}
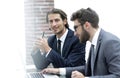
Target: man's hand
{"points": [[76, 74], [50, 71], [43, 45]]}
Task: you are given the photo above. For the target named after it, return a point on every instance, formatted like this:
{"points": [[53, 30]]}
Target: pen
{"points": [[43, 34]]}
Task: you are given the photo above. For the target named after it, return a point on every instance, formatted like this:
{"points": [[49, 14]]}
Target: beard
{"points": [[84, 36]]}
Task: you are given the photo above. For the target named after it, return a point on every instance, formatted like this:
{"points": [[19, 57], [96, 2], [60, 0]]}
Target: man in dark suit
{"points": [[71, 50], [104, 58]]}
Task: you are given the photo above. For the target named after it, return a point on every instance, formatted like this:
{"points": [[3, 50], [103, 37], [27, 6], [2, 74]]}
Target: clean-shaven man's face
{"points": [[56, 23]]}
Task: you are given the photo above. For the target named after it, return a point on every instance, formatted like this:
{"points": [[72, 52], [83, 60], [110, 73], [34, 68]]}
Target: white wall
{"points": [[108, 11], [12, 37]]}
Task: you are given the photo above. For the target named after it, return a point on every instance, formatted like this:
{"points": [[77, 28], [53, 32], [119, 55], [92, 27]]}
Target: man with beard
{"points": [[104, 55], [67, 53]]}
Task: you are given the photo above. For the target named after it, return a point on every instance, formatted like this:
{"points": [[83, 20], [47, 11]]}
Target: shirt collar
{"points": [[62, 38], [95, 37]]}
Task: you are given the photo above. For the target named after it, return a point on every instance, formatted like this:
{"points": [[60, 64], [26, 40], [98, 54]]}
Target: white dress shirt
{"points": [[94, 42], [62, 39]]}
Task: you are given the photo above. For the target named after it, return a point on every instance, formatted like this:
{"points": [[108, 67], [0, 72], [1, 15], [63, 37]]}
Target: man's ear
{"points": [[87, 25], [65, 21]]}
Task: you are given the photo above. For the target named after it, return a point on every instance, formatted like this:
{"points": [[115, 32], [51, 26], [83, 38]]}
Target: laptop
{"points": [[40, 75], [32, 72], [34, 75]]}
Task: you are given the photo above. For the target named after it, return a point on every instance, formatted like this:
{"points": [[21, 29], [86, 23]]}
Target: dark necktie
{"points": [[59, 46], [92, 59], [89, 70]]}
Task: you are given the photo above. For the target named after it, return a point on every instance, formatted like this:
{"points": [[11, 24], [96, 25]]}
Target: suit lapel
{"points": [[97, 49], [67, 43], [55, 44]]}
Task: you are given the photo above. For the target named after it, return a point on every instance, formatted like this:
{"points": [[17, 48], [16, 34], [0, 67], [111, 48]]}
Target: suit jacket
{"points": [[106, 62], [72, 53]]}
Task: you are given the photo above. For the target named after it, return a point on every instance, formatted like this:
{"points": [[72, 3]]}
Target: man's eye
{"points": [[56, 20], [50, 21]]}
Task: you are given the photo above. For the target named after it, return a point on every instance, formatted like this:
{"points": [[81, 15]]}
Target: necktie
{"points": [[92, 58], [59, 46], [89, 68]]}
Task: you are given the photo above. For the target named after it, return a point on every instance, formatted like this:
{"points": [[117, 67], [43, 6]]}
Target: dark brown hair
{"points": [[63, 15]]}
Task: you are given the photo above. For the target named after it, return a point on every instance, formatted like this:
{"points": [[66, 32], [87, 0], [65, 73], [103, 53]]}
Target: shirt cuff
{"points": [[41, 52], [48, 52], [62, 71]]}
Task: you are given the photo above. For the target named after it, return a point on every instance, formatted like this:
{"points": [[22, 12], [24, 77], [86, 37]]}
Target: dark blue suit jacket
{"points": [[73, 53]]}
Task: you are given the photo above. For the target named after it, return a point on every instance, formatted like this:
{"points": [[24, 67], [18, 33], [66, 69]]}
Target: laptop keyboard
{"points": [[35, 75]]}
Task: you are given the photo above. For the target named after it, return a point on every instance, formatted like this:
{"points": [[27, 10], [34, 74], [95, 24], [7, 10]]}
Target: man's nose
{"points": [[54, 23]]}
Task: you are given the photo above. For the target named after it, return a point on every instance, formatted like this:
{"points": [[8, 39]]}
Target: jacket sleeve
{"points": [[39, 60], [70, 69]]}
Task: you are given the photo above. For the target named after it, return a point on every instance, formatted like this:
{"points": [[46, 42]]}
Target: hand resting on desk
{"points": [[50, 71]]}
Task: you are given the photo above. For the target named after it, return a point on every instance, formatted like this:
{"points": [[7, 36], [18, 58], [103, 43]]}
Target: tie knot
{"points": [[59, 41], [92, 49], [92, 45]]}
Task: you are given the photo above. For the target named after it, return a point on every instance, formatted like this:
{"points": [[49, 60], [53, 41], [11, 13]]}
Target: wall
{"points": [[35, 23], [108, 11]]}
